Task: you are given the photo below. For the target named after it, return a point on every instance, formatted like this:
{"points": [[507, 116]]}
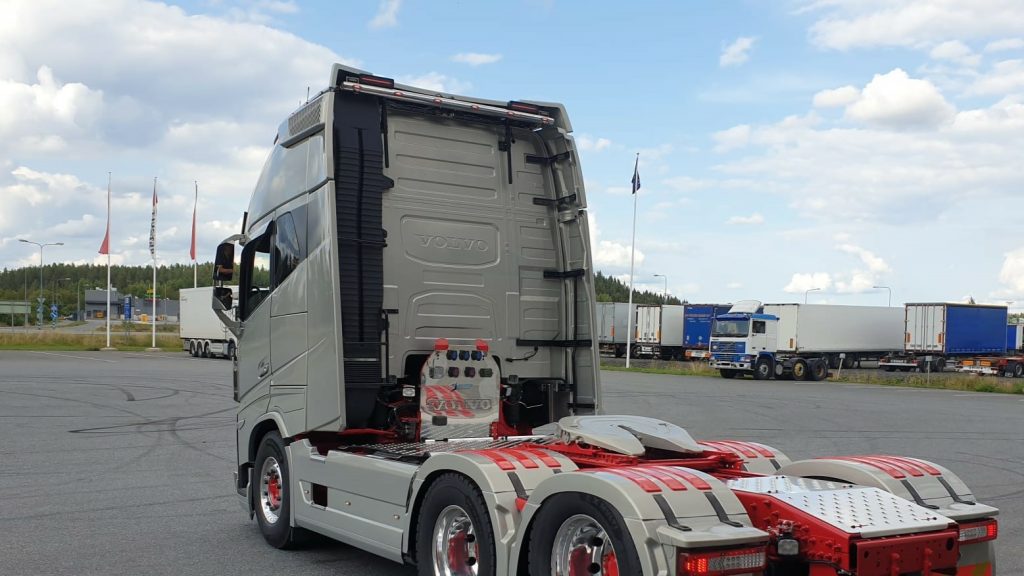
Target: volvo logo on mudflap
{"points": [[436, 241], [452, 242]]}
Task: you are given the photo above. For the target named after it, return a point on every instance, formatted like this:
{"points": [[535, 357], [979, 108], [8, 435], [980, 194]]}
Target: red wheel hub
{"points": [[274, 491]]}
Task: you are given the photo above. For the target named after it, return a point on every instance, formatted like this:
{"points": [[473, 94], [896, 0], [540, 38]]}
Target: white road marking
{"points": [[77, 357]]}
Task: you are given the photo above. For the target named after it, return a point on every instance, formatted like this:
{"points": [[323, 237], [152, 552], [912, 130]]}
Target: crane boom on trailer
{"points": [[417, 374]]}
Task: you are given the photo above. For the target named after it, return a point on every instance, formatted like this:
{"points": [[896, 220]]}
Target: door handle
{"points": [[264, 367]]}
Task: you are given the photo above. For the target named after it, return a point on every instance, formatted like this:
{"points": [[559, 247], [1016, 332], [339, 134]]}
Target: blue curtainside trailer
{"points": [[697, 321], [937, 333]]}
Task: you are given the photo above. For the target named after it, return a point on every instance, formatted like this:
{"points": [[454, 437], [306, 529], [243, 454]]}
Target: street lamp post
{"points": [[887, 288], [806, 292], [41, 298], [664, 295]]}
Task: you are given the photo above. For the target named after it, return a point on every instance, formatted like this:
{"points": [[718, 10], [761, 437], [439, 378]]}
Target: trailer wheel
{"points": [[763, 369], [799, 369], [817, 370], [273, 497], [727, 374], [1018, 370], [620, 352], [192, 348], [231, 350], [848, 362], [206, 349], [453, 532], [578, 534], [940, 365]]}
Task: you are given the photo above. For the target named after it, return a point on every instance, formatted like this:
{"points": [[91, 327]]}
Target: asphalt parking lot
{"points": [[120, 463]]}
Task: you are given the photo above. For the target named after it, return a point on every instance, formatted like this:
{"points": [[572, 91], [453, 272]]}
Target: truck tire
{"points": [[848, 362], [206, 349], [940, 365], [272, 493], [453, 530], [817, 370], [799, 369], [231, 350], [727, 373], [620, 351], [763, 369], [1018, 370], [581, 534], [192, 348]]}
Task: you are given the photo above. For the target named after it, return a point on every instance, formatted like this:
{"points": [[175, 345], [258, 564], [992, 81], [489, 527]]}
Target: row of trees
{"points": [[611, 289], [61, 283]]}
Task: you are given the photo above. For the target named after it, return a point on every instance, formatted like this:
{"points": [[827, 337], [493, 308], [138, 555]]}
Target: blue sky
{"points": [[833, 144]]}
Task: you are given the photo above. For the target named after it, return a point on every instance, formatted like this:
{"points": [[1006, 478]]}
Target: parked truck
{"points": [[936, 335], [647, 333], [801, 341], [201, 331], [417, 297], [1014, 338], [697, 322], [612, 318]]}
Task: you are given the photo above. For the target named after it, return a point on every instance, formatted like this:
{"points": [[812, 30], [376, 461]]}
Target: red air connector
{"points": [[441, 344], [482, 345]]}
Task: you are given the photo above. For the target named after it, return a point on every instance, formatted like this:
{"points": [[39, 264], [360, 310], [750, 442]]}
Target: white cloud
{"points": [[476, 58], [436, 82], [734, 285], [847, 24], [588, 144], [607, 253], [732, 138], [754, 218], [895, 100], [1012, 272], [736, 53], [387, 14], [802, 282], [1005, 44], [875, 264], [955, 51], [1004, 77], [836, 98]]}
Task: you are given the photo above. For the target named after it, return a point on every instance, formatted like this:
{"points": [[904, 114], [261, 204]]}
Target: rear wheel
{"points": [[453, 531], [231, 350], [763, 369], [206, 349], [581, 535], [727, 374], [800, 370], [1018, 370], [940, 365], [817, 370], [192, 348], [273, 493]]}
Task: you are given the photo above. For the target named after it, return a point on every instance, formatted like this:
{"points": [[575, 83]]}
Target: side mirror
{"points": [[222, 298], [224, 264]]}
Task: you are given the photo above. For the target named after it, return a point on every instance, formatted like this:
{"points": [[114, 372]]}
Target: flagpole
{"points": [[632, 256], [108, 259], [152, 249], [195, 263]]}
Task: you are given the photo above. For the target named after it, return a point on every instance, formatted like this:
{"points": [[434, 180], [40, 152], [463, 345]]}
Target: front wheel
{"points": [[273, 493], [727, 374], [578, 534], [453, 532], [763, 369]]}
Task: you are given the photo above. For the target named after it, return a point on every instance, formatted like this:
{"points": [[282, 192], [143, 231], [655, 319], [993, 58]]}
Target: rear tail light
{"points": [[974, 532], [523, 107], [721, 562]]}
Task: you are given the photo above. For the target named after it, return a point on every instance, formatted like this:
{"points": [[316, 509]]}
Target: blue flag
{"points": [[636, 175]]}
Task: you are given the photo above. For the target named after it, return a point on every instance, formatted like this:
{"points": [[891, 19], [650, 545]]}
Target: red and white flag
{"points": [[105, 247], [152, 225], [192, 250]]}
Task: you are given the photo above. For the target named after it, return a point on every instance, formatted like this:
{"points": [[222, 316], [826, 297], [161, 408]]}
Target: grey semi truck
{"points": [[417, 374]]}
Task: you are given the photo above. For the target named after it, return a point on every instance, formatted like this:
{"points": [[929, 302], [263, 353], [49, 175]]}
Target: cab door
{"points": [[254, 368]]}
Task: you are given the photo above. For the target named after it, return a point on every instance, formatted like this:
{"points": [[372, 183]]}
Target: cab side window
{"points": [[759, 327], [255, 280], [289, 244]]}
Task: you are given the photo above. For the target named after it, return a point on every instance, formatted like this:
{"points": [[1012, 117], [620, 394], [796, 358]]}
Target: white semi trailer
{"points": [[201, 331], [416, 299]]}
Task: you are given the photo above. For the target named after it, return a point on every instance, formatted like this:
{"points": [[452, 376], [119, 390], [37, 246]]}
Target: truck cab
{"points": [[743, 340]]}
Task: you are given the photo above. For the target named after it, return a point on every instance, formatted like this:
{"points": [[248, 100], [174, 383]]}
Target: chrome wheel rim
{"points": [[271, 490], [582, 548], [456, 550]]}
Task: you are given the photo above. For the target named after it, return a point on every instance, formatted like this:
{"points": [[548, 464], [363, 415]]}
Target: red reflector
{"points": [[441, 344], [377, 81], [974, 532], [721, 562]]}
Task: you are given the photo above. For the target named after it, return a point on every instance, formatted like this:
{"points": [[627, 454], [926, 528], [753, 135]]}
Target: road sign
{"points": [[128, 307]]}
